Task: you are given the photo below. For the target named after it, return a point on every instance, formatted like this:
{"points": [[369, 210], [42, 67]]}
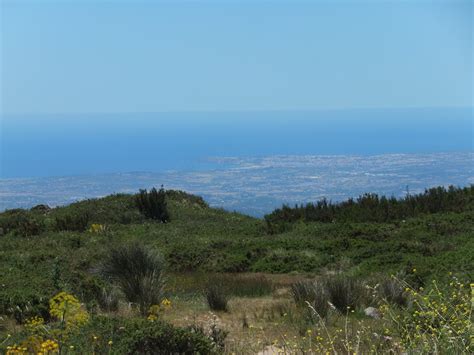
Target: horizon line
{"points": [[255, 110]]}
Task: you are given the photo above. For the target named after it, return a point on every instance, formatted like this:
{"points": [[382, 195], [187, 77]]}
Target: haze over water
{"points": [[62, 145]]}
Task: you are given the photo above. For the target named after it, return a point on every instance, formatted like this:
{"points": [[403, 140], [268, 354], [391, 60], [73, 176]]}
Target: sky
{"points": [[73, 57]]}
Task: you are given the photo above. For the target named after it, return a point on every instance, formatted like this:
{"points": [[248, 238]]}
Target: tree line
{"points": [[374, 208]]}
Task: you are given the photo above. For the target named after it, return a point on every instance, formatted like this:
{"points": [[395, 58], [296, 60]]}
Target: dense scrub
{"points": [[44, 251], [41, 258], [374, 208]]}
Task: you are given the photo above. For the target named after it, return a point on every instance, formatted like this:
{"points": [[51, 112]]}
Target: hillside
{"points": [[44, 250], [199, 238]]}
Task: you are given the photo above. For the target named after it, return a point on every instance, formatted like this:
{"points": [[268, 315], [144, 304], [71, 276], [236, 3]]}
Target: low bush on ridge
{"points": [[153, 204]]}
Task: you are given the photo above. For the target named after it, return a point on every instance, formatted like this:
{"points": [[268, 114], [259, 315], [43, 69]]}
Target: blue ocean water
{"points": [[61, 145]]}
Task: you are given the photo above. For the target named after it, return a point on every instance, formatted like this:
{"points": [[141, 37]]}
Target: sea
{"points": [[248, 161]]}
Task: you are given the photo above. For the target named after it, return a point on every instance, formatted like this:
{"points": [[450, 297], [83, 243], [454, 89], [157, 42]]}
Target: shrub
{"points": [[314, 293], [153, 204], [67, 309], [21, 223], [216, 297], [105, 335], [22, 306], [138, 273], [345, 293], [73, 222]]}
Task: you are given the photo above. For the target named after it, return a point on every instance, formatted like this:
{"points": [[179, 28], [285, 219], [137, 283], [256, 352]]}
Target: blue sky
{"points": [[150, 56]]}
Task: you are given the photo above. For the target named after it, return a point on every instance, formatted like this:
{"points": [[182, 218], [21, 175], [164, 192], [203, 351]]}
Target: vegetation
{"points": [[72, 222], [103, 276], [76, 332], [138, 273], [153, 204], [216, 298], [372, 208], [311, 293]]}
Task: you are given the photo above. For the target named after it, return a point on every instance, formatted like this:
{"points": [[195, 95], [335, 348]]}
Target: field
{"points": [[234, 284]]}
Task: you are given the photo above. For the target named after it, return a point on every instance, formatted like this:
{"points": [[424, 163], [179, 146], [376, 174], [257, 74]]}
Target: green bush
{"points": [[23, 306], [21, 223], [153, 204], [138, 273], [138, 336], [216, 297], [72, 222]]}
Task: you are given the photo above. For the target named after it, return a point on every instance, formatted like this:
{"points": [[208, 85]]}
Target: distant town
{"points": [[257, 185]]}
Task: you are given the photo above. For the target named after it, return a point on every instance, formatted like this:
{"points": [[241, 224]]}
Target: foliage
{"points": [[108, 299], [313, 293], [372, 208], [98, 228], [138, 273], [219, 245], [67, 310], [214, 241], [439, 318], [38, 337], [138, 336], [156, 310], [75, 334], [345, 293], [76, 222], [153, 204], [23, 306], [22, 223], [216, 297]]}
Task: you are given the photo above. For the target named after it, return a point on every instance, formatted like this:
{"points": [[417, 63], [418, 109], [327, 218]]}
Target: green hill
{"points": [[44, 250], [200, 238]]}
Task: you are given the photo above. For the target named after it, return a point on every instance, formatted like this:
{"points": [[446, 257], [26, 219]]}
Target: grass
{"points": [[313, 293]]}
